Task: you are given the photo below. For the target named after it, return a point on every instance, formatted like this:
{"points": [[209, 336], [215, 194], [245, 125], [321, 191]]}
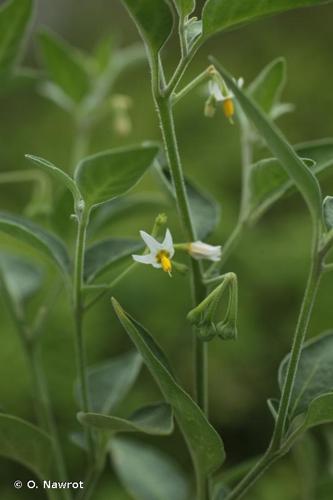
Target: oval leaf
{"points": [[110, 381], [65, 66], [14, 18], [36, 237], [154, 21], [269, 182], [281, 149], [101, 256], [204, 443], [314, 375], [153, 419], [57, 173], [147, 473], [224, 15], [106, 175], [26, 444]]}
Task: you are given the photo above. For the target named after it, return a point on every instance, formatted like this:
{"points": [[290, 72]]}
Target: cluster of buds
{"points": [[220, 94], [206, 316]]}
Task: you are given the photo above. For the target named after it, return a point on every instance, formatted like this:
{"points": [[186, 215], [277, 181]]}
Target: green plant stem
{"points": [[164, 108], [78, 318], [42, 401], [196, 82], [298, 341], [81, 142], [255, 473], [277, 447]]}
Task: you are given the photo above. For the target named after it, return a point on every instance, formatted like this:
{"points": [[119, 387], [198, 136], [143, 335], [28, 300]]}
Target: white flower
{"points": [[215, 90], [160, 253], [200, 250]]}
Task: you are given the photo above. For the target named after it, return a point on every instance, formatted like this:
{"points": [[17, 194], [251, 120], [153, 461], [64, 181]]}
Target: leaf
{"points": [[101, 256], [65, 65], [224, 15], [269, 182], [122, 206], [185, 7], [37, 238], [14, 19], [193, 29], [146, 472], [266, 89], [204, 209], [314, 374], [26, 444], [154, 419], [281, 149], [273, 406], [22, 277], [154, 21], [57, 173], [328, 211], [104, 176], [110, 381], [320, 411], [205, 444]]}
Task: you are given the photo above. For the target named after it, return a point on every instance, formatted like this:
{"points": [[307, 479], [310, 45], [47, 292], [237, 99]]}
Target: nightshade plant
{"points": [[97, 186]]}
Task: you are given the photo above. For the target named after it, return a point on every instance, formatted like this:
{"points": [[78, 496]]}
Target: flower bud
{"points": [[200, 250]]}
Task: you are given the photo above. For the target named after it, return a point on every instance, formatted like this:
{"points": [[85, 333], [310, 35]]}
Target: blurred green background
{"points": [[271, 261]]}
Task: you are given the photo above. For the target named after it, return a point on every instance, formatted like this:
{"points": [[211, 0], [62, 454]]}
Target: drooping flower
{"points": [[219, 92], [160, 254], [200, 250]]}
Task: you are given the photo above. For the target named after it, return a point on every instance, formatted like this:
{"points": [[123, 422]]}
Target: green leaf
{"points": [[204, 443], [65, 66], [57, 173], [281, 149], [101, 256], [314, 374], [29, 233], [204, 209], [22, 277], [154, 419], [320, 411], [106, 175], [154, 21], [224, 15], [269, 182], [193, 29], [14, 19], [26, 444], [110, 381], [328, 211], [185, 7], [266, 89], [122, 206], [146, 472]]}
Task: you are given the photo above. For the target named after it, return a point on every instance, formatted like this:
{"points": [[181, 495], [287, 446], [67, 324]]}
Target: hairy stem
{"points": [[164, 108], [78, 318], [277, 448], [298, 341]]}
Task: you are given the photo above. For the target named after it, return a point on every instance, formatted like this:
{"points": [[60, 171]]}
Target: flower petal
{"points": [[168, 243], [145, 259], [153, 245]]}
